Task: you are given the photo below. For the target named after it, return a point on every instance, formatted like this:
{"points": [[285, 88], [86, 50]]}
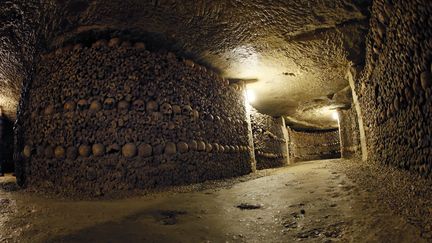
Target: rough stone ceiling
{"points": [[298, 50]]}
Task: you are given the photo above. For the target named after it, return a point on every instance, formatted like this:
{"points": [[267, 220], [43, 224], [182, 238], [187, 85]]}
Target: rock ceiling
{"points": [[297, 50]]}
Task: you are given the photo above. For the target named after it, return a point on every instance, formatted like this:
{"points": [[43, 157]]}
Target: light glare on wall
{"points": [[335, 115], [250, 96]]}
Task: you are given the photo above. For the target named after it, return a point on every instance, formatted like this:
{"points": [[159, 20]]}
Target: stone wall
{"points": [[395, 87], [349, 133], [111, 116], [269, 141], [304, 146]]}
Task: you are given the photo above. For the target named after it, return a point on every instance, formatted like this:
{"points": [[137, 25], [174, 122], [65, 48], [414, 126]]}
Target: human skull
{"points": [[123, 105], [166, 109], [114, 42], [95, 105], [193, 145], [176, 109], [170, 148], [98, 149], [109, 103], [84, 150], [189, 63], [49, 110], [208, 148], [221, 148], [156, 116], [145, 150], [139, 105], [215, 147], [201, 146], [59, 152], [27, 151], [182, 147], [209, 117], [69, 106], [186, 110], [194, 115], [152, 106], [129, 150], [82, 104]]}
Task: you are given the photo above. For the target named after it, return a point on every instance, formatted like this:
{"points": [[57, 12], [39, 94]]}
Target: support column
{"points": [[351, 77]]}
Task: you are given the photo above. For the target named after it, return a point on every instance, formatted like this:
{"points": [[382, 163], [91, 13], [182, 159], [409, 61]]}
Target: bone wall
{"points": [[113, 116], [269, 142], [349, 133], [304, 146], [395, 87]]}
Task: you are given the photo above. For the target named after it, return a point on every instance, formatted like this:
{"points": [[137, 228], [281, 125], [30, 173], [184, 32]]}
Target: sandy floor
{"points": [[311, 202]]}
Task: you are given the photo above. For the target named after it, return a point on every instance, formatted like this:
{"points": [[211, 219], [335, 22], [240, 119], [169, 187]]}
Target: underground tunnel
{"points": [[215, 121]]}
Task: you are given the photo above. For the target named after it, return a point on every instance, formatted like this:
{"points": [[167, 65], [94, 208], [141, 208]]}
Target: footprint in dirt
{"points": [[168, 217]]}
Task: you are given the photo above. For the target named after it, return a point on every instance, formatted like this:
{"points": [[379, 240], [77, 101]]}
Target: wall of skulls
{"points": [[395, 89], [304, 146], [113, 116], [269, 141], [349, 133]]}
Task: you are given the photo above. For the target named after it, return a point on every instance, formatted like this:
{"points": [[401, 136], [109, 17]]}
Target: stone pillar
{"points": [[351, 75]]}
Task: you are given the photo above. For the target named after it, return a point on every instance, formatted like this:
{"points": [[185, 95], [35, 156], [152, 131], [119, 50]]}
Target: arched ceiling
{"points": [[297, 50]]}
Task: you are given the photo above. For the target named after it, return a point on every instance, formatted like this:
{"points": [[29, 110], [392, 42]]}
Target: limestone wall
{"points": [[395, 88], [304, 146], [111, 115]]}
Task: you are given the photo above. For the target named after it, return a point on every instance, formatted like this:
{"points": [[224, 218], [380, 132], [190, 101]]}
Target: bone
{"points": [[152, 106], [69, 106], [201, 146], [59, 152], [129, 150], [170, 148], [193, 145], [27, 151], [182, 147], [95, 106], [98, 150], [145, 150], [84, 150], [109, 103]]}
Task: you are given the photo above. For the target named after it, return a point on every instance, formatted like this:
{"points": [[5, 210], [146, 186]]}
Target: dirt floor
{"points": [[318, 201]]}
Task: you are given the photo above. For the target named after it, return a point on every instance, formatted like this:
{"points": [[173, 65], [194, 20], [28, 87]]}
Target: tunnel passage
{"points": [[298, 55], [314, 145], [115, 116]]}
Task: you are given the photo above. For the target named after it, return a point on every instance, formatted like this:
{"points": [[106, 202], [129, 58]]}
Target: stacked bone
{"points": [[269, 142], [395, 92], [314, 145], [119, 117]]}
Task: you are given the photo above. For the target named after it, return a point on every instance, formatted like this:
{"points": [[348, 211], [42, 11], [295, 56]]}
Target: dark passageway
{"points": [[211, 121]]}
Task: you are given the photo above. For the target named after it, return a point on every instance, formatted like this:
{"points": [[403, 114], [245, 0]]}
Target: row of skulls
{"points": [[96, 105], [271, 155], [131, 150], [321, 145]]}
